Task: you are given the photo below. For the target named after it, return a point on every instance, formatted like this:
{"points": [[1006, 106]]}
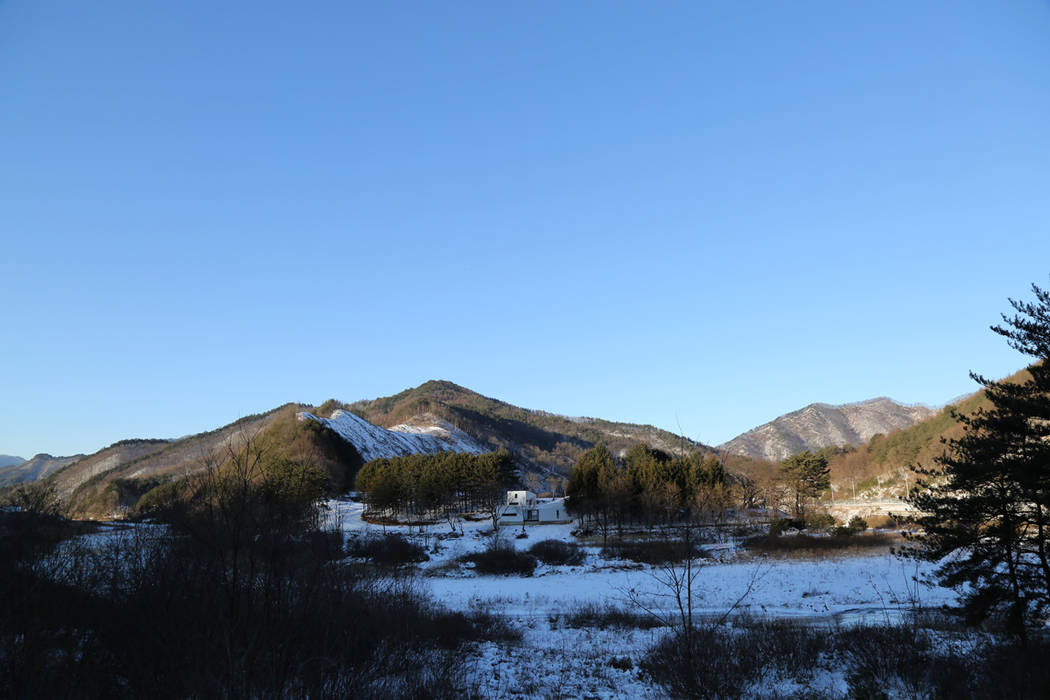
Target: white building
{"points": [[523, 508]]}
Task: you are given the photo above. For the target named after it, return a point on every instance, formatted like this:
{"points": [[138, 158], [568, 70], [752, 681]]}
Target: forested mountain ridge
{"points": [[821, 425], [539, 440], [435, 415], [113, 479]]}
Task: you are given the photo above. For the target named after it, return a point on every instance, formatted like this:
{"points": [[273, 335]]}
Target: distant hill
{"points": [[881, 464], [541, 441], [821, 425], [37, 467], [112, 479], [9, 461]]}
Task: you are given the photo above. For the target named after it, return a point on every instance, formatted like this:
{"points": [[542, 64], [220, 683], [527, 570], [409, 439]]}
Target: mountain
{"points": [[881, 465], [338, 438], [112, 479], [373, 442], [540, 441], [9, 461], [820, 425], [37, 467]]}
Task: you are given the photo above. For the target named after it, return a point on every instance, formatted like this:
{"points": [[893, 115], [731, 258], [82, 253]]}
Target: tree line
{"points": [[648, 486], [445, 484], [651, 487]]}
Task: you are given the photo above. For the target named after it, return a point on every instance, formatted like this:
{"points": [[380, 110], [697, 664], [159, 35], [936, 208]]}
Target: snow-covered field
{"points": [[554, 660]]}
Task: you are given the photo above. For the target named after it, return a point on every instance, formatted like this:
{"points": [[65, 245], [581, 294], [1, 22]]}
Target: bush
{"points": [[502, 558], [25, 535], [480, 626], [781, 525], [887, 521], [819, 520], [722, 662], [558, 553], [878, 662], [157, 612], [855, 525], [842, 538], [604, 617], [388, 550], [654, 551]]}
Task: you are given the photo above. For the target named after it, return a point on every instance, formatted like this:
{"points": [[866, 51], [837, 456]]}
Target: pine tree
{"points": [[807, 476], [987, 504]]}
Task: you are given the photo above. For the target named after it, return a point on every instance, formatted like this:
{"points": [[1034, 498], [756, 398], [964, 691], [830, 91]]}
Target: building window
{"points": [[532, 515]]}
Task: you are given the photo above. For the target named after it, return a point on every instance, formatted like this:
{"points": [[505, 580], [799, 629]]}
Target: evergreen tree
{"points": [[807, 475], [594, 471], [988, 504]]}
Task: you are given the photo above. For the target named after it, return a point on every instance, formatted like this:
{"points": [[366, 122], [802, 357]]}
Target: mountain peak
{"points": [[821, 425]]}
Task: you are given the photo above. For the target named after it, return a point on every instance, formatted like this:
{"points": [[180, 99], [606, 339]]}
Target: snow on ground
{"points": [[780, 587], [373, 442], [563, 662], [555, 660]]}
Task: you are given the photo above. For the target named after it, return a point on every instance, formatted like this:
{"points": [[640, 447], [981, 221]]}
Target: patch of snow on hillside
{"points": [[373, 442]]}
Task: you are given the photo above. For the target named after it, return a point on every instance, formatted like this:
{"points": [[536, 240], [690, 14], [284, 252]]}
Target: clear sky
{"points": [[697, 215]]}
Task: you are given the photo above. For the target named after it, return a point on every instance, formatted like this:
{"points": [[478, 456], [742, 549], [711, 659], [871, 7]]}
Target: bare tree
{"points": [[492, 498]]}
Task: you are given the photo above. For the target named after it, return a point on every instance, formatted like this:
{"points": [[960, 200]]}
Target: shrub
{"points": [[878, 661], [883, 521], [781, 525], [481, 626], [820, 520], [558, 553], [855, 525], [842, 538], [653, 551], [26, 534], [148, 612], [721, 662], [388, 550], [604, 617], [502, 558]]}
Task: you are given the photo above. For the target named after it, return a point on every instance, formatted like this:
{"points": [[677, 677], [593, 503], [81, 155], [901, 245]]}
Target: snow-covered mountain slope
{"points": [[373, 442]]}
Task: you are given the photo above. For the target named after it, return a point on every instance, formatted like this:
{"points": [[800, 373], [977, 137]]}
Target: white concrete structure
{"points": [[523, 508]]}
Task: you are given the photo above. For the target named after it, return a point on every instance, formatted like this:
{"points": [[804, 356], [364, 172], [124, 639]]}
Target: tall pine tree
{"points": [[986, 505], [807, 475]]}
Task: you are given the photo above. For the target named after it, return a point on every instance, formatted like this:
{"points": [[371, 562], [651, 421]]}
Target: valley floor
{"points": [[556, 660]]}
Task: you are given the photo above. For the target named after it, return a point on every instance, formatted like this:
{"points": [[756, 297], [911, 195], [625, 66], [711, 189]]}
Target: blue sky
{"points": [[696, 215]]}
